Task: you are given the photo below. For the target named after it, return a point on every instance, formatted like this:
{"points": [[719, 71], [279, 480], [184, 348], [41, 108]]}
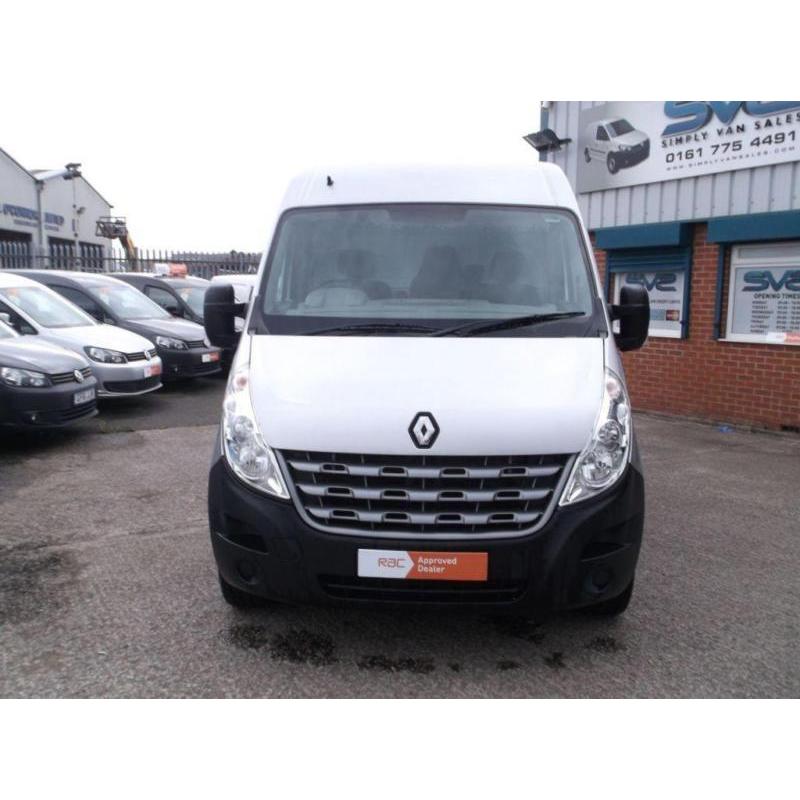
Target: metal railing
{"points": [[93, 258]]}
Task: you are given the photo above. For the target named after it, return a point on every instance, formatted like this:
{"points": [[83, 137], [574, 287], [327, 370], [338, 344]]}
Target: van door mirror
{"points": [[220, 310], [6, 317], [633, 313]]}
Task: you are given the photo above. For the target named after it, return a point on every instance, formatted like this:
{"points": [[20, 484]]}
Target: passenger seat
{"points": [[439, 275]]}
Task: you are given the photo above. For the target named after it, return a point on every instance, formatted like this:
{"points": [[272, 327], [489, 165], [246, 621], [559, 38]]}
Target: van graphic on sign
{"points": [[616, 142]]}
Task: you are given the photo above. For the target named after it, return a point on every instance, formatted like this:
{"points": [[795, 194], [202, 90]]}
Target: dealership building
{"points": [[50, 211], [699, 203]]}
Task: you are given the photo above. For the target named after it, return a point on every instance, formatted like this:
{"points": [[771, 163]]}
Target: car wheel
{"points": [[614, 606], [237, 598], [587, 155], [612, 165]]}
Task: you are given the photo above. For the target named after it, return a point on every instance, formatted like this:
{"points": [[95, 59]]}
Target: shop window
{"points": [[665, 274], [764, 293]]}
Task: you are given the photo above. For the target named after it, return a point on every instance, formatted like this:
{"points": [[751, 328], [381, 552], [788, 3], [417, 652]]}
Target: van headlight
{"points": [[244, 447], [603, 461]]}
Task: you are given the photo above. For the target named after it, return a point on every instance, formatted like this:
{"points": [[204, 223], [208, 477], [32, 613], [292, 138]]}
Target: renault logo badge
{"points": [[78, 376], [423, 430]]}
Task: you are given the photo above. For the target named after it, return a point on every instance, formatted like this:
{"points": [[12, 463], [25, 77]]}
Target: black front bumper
{"points": [[46, 407], [585, 554], [182, 364], [634, 156]]}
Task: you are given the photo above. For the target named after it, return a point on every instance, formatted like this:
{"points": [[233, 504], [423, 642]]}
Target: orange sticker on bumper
{"points": [[423, 565]]}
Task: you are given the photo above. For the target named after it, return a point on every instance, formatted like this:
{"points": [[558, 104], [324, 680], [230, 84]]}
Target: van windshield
{"points": [[45, 307], [620, 127], [431, 264]]}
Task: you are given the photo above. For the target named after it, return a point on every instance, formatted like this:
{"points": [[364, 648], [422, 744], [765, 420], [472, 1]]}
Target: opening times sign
{"points": [[765, 305], [633, 143]]}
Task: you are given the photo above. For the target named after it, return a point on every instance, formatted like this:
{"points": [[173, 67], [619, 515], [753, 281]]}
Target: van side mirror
{"points": [[220, 310], [633, 313], [6, 317]]}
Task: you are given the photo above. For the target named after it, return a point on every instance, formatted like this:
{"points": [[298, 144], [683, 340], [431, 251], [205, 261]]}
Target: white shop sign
{"points": [[764, 294]]}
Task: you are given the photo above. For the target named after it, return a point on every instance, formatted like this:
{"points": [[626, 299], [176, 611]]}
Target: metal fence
{"points": [[92, 258]]}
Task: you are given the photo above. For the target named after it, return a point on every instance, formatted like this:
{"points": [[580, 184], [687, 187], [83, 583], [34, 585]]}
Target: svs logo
{"points": [[762, 280], [697, 114], [662, 281]]}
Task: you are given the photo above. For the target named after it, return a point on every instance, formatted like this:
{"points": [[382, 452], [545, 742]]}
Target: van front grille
{"points": [[424, 495]]}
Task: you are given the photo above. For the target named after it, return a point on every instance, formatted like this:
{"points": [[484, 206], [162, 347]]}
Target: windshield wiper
{"points": [[375, 327], [482, 326]]}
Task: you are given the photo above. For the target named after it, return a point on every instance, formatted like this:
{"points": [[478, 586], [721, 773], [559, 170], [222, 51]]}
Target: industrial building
{"points": [[51, 211], [699, 202]]}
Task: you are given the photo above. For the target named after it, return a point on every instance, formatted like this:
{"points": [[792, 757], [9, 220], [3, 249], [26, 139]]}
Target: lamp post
{"points": [[68, 172]]}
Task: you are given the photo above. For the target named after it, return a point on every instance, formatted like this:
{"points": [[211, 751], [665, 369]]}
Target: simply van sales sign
{"points": [[631, 143]]}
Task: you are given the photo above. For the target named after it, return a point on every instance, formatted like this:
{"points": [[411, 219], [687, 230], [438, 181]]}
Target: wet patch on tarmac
{"points": [[32, 580], [297, 645], [417, 666], [505, 666], [605, 644], [301, 646], [248, 637], [555, 660], [519, 629]]}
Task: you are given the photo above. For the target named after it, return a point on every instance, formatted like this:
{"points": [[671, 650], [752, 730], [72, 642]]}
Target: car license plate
{"points": [[151, 370], [423, 565], [86, 396], [210, 357]]}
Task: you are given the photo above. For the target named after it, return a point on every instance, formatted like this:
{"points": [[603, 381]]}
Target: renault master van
{"points": [[427, 404]]}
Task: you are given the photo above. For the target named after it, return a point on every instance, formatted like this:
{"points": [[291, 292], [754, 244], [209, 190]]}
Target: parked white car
{"points": [[616, 143], [123, 362]]}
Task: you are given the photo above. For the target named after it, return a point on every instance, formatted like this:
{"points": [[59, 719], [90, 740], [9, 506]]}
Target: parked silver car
{"points": [[123, 362]]}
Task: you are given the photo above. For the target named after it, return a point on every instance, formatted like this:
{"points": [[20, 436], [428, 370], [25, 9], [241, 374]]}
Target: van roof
{"points": [[534, 184]]}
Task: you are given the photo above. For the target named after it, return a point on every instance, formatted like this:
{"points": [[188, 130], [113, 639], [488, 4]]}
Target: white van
{"points": [[616, 143], [427, 404]]}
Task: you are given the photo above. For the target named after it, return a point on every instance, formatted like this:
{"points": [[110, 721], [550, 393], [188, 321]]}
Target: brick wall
{"points": [[752, 384]]}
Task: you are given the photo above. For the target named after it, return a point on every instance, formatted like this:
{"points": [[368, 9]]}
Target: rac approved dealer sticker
{"points": [[419, 565]]}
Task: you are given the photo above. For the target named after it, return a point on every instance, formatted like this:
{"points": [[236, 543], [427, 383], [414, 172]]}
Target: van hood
{"points": [[109, 336], [24, 353], [168, 326], [493, 395], [631, 139]]}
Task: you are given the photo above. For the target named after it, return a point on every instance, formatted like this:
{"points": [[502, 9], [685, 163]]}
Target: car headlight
{"points": [[12, 376], [168, 343], [603, 461], [105, 356], [244, 447]]}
